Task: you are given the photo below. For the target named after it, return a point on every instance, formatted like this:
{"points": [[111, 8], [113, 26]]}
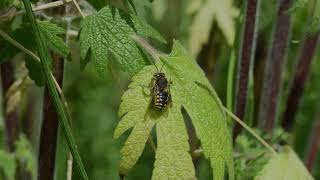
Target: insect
{"points": [[161, 95]]}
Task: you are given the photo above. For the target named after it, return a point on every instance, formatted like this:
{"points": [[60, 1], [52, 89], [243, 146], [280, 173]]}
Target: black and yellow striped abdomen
{"points": [[161, 99]]}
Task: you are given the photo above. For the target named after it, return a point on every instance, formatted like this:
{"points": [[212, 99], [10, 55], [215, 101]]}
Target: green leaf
{"points": [[24, 155], [190, 90], [284, 166], [109, 31], [314, 27], [24, 36], [298, 4], [35, 71], [50, 32], [7, 164], [223, 12]]}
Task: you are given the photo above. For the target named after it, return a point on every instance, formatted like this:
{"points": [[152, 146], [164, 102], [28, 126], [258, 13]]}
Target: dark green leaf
{"points": [[50, 32], [109, 31]]}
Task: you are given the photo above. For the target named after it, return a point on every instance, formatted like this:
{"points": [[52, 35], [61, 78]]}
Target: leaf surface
{"points": [[108, 31], [284, 166], [7, 164], [190, 90], [50, 33]]}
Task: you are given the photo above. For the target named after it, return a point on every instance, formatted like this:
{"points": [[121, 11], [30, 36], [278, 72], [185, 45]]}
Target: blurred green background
{"points": [[94, 101]]}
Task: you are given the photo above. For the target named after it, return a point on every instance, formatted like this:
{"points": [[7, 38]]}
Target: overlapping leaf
{"points": [[50, 32], [190, 90], [223, 12], [108, 31], [284, 166]]}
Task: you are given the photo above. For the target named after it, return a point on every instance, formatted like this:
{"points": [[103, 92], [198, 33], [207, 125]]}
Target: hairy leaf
{"points": [[284, 166], [108, 31], [190, 90], [7, 165], [50, 32], [223, 12]]}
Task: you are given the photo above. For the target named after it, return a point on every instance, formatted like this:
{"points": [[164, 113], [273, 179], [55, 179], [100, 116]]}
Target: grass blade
{"points": [[54, 93]]}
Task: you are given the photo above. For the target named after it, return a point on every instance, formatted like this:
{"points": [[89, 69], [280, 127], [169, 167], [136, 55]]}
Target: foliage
{"points": [[251, 157], [112, 27], [314, 26], [56, 101], [191, 91], [7, 164], [285, 166], [25, 155], [51, 32], [225, 15]]}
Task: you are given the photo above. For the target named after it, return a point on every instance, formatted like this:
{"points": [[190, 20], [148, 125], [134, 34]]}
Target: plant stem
{"points": [[300, 77], [246, 60], [11, 119], [274, 67], [78, 8], [55, 96], [49, 129], [38, 8], [251, 131], [314, 146], [233, 58]]}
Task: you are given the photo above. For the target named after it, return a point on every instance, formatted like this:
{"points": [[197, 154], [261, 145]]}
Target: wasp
{"points": [[161, 95]]}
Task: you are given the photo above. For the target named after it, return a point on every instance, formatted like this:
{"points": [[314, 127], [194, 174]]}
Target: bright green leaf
{"points": [[7, 165], [223, 12], [314, 27], [50, 32], [109, 31], [284, 166], [190, 90]]}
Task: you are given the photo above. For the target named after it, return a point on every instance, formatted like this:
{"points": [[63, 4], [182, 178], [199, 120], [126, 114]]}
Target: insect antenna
{"points": [[155, 66], [161, 67]]}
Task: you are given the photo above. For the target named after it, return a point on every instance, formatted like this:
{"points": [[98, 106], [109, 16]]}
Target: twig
{"points": [[251, 131], [38, 8], [78, 8]]}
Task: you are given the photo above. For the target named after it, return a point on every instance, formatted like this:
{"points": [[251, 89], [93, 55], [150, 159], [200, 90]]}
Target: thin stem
{"points": [[314, 146], [53, 91], [300, 77], [78, 8], [274, 68], [251, 131], [35, 57], [10, 119], [246, 59], [18, 45], [38, 8], [233, 58]]}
